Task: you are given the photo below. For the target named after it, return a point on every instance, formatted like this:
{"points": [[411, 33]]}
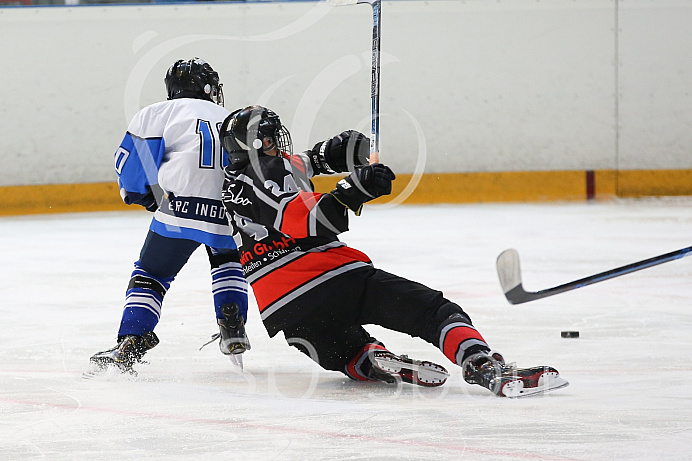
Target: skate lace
{"points": [[214, 337], [240, 340], [486, 370], [484, 375]]}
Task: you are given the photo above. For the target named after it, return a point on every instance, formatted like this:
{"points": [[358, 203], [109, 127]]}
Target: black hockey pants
{"points": [[333, 330]]}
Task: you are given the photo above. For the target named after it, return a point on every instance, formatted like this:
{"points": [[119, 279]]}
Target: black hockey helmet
{"points": [[193, 78], [243, 133]]}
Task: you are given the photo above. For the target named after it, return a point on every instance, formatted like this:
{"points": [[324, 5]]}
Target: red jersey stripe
{"points": [[281, 281], [297, 163], [296, 214]]}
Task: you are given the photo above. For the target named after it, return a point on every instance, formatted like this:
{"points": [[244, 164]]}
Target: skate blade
{"points": [[422, 373], [237, 360], [547, 382], [110, 372]]}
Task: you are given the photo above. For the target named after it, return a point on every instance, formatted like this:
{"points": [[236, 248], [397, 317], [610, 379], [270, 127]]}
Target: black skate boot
{"points": [[233, 339], [391, 368], [129, 350], [488, 369], [232, 331]]}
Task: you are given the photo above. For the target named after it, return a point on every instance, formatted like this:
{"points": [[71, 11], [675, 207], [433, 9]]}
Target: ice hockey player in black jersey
{"points": [[171, 163], [319, 291]]}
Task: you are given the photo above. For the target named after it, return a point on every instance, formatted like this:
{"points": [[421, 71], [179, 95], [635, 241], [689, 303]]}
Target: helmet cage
{"points": [[282, 138], [244, 131]]}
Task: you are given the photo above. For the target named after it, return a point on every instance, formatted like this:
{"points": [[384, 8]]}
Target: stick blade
{"points": [[509, 273], [509, 270]]}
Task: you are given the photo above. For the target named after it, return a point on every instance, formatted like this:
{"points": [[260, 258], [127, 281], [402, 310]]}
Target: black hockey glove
{"points": [[147, 200], [364, 184], [341, 153]]}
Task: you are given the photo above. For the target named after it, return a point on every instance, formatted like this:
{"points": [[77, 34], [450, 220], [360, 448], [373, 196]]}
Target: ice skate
{"points": [[120, 359], [490, 371], [233, 340], [390, 368]]}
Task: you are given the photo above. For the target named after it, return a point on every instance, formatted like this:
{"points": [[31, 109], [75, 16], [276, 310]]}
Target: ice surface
{"points": [[630, 396]]}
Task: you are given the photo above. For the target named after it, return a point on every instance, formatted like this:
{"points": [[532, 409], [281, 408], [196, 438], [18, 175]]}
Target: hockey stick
{"points": [[509, 273], [375, 82]]}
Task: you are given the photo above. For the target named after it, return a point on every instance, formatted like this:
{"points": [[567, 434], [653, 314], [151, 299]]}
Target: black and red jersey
{"points": [[287, 235]]}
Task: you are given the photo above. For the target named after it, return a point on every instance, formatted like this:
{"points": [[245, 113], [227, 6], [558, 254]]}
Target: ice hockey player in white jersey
{"points": [[171, 163]]}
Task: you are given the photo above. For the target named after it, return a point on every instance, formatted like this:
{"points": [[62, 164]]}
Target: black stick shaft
{"points": [[518, 295]]}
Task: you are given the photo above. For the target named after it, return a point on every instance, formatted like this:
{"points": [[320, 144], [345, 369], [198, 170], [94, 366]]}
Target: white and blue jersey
{"points": [[175, 144]]}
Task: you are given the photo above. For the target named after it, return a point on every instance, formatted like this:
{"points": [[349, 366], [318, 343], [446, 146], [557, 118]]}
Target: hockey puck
{"points": [[569, 334]]}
